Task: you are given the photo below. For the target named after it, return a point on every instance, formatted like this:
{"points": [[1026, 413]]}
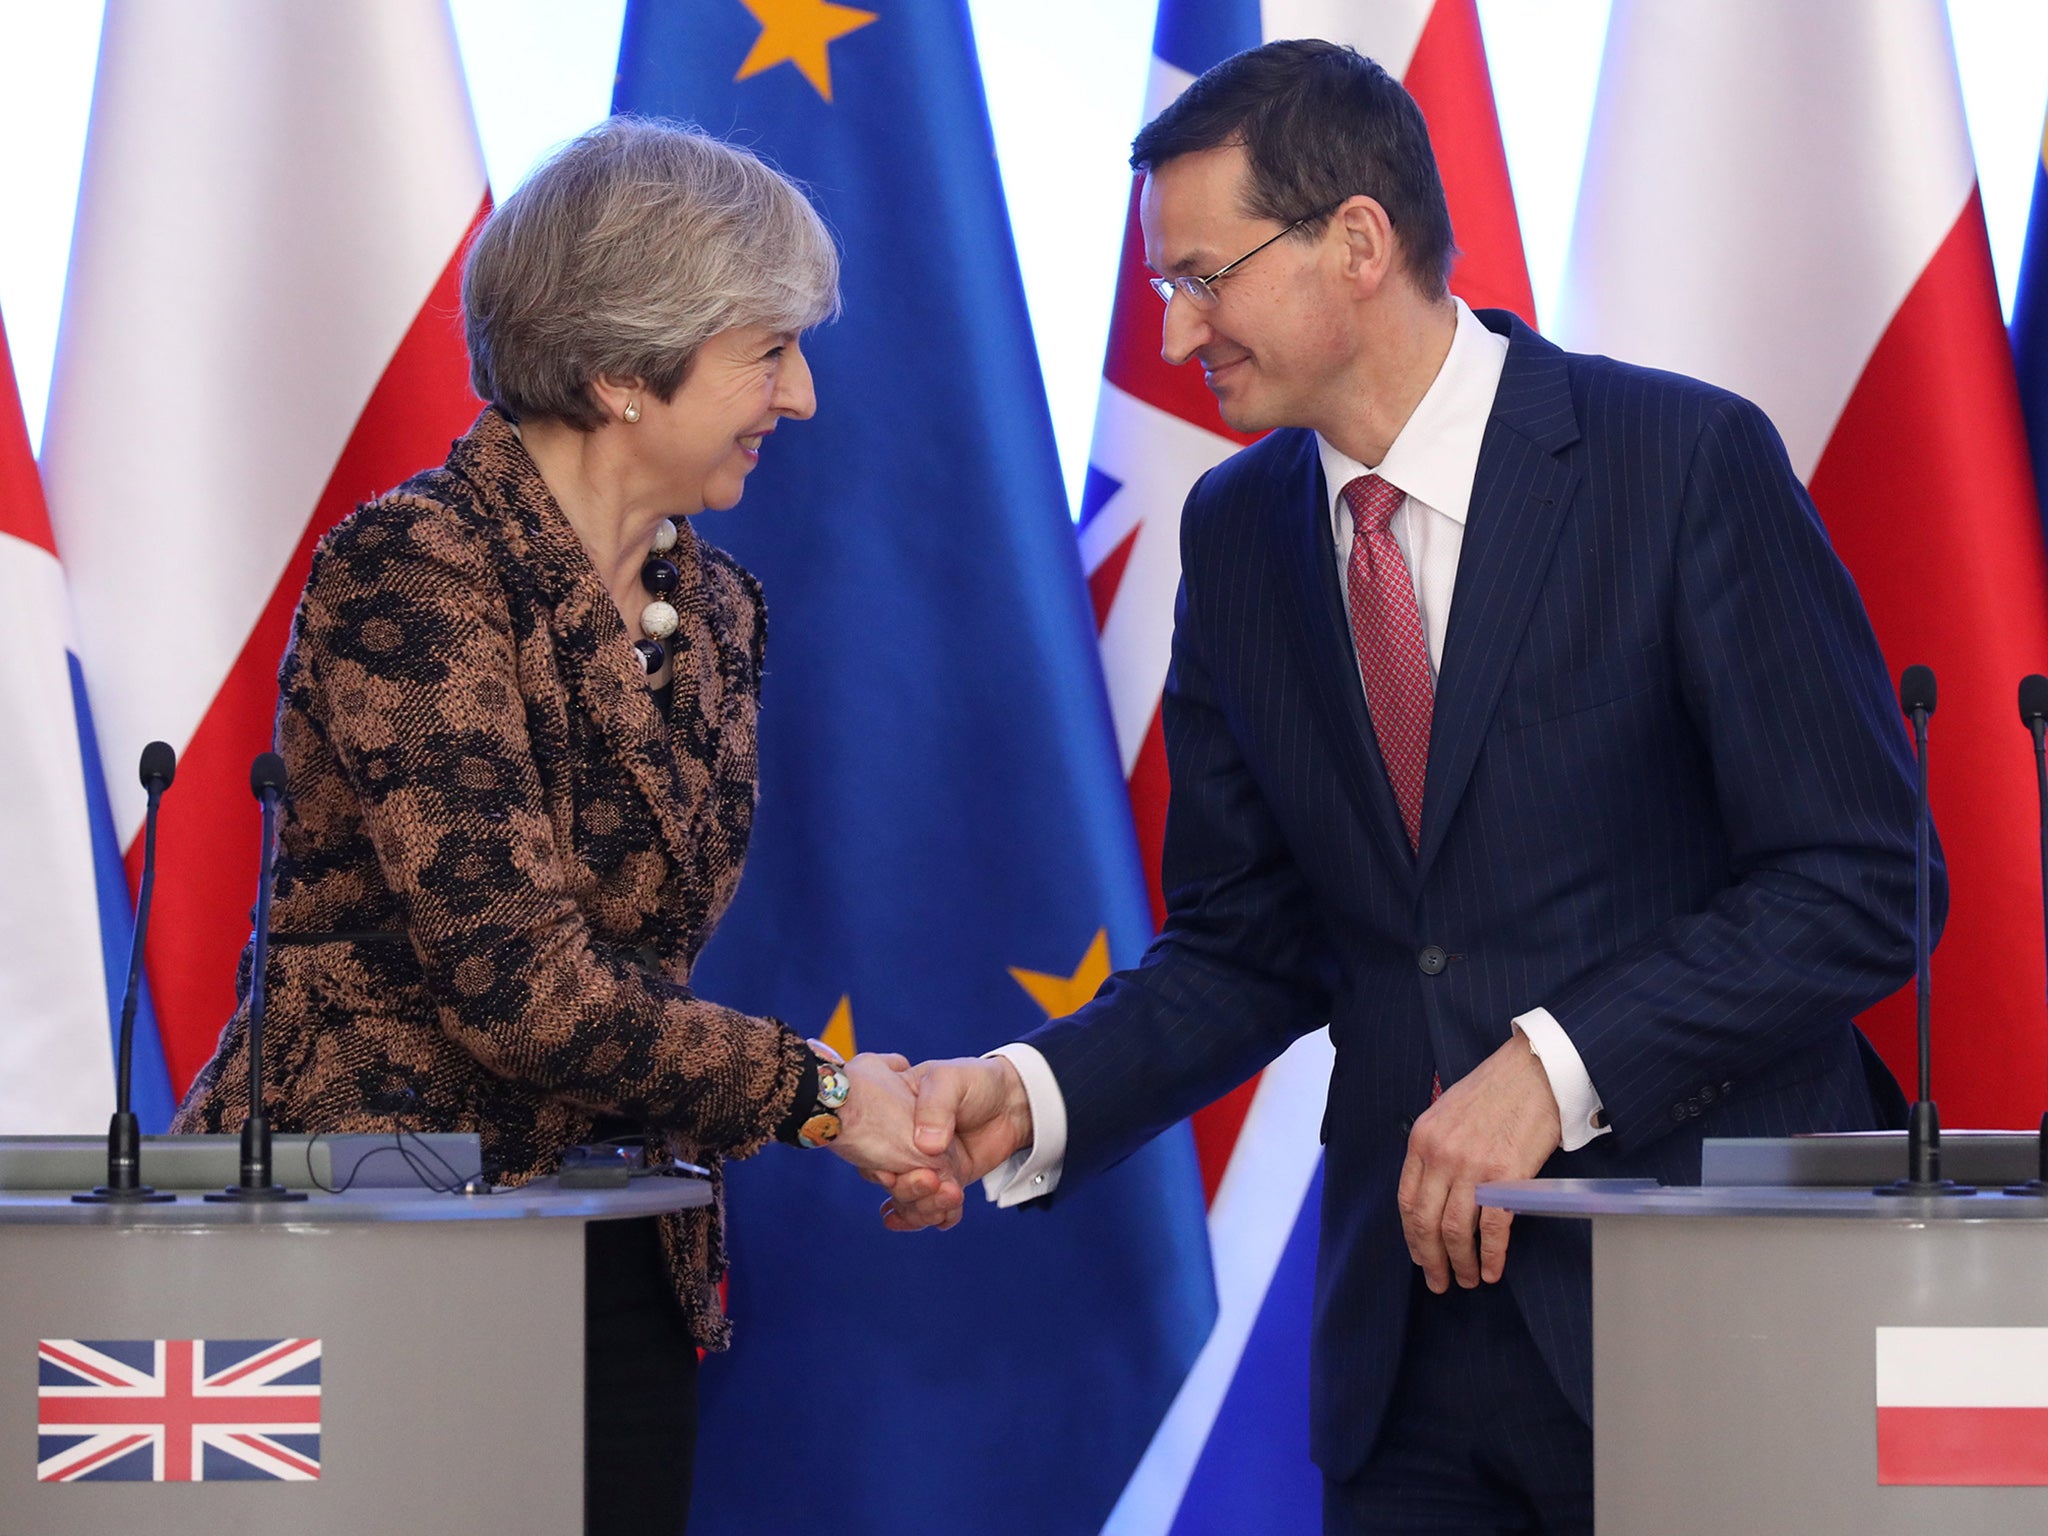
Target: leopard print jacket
{"points": [[498, 861]]}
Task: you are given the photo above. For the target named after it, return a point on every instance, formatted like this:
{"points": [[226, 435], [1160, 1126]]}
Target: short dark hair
{"points": [[1319, 123]]}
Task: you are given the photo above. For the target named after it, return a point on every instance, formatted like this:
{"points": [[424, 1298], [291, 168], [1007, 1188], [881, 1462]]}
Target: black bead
{"points": [[651, 656], [660, 576]]}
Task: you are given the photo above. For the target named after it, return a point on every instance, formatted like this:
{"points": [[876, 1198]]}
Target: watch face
{"points": [[833, 1086], [819, 1130]]}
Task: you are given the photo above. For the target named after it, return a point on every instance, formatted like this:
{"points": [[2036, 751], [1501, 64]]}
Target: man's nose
{"points": [[1183, 330]]}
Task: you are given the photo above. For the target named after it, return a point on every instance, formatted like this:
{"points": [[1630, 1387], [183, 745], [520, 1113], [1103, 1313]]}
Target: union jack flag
{"points": [[177, 1410]]}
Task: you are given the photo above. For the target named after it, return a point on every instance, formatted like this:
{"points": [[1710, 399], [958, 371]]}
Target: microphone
{"points": [[267, 783], [124, 1132], [1923, 1129], [2034, 716]]}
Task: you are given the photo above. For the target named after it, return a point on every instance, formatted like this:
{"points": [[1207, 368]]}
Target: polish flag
{"points": [[261, 329], [1233, 1453], [1962, 1407], [1781, 199], [63, 910]]}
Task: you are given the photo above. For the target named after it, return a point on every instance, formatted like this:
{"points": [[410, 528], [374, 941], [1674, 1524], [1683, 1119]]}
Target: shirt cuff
{"points": [[1578, 1103], [1032, 1171]]}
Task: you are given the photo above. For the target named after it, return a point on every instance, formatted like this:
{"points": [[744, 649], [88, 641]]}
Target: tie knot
{"points": [[1373, 502]]}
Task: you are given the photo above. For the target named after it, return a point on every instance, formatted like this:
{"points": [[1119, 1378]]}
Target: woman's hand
{"points": [[878, 1120]]}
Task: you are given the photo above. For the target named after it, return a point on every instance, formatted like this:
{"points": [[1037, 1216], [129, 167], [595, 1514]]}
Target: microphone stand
{"points": [[2034, 716], [124, 1184], [266, 781], [1923, 1128]]}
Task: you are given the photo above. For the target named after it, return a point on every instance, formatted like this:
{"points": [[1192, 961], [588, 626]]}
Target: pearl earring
{"points": [[632, 411]]}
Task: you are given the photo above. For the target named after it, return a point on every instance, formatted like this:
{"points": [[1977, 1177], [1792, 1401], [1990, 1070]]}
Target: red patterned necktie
{"points": [[1393, 654]]}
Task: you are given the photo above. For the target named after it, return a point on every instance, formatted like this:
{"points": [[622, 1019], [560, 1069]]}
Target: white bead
{"points": [[658, 620], [664, 536]]}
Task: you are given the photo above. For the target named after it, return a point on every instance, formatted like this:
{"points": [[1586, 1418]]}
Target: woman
{"points": [[518, 709]]}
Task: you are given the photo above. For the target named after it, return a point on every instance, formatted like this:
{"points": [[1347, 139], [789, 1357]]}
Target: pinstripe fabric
{"points": [[1668, 797]]}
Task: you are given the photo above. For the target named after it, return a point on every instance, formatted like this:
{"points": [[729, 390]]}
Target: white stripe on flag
{"points": [[56, 1059], [1249, 1223], [1962, 1367], [1385, 31]]}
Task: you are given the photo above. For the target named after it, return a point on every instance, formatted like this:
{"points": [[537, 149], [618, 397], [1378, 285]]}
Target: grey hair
{"points": [[625, 251]]}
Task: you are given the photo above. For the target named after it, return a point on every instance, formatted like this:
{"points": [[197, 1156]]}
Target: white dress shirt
{"points": [[1434, 460]]}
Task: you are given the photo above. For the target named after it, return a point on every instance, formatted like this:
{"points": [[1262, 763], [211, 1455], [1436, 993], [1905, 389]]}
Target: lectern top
{"points": [[541, 1200]]}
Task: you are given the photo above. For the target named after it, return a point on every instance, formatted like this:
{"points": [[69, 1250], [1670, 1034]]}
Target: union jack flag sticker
{"points": [[178, 1410]]}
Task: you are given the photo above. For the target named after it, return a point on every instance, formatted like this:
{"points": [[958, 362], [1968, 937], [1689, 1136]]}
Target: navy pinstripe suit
{"points": [[1669, 797]]}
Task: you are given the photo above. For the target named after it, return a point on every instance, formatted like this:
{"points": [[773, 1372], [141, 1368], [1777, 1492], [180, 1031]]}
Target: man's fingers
{"points": [[1493, 1243], [939, 1091], [1458, 1226], [1421, 1202], [893, 1061], [942, 1208]]}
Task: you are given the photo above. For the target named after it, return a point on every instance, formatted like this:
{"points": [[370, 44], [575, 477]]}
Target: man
{"points": [[1523, 727]]}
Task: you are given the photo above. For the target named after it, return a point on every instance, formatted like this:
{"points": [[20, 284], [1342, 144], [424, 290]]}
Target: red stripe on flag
{"points": [[118, 1448], [1108, 575], [1449, 80], [1962, 1447], [22, 511], [1927, 494], [1133, 363], [206, 859]]}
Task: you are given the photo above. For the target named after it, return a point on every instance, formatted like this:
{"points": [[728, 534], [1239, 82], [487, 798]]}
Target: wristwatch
{"points": [[813, 1119]]}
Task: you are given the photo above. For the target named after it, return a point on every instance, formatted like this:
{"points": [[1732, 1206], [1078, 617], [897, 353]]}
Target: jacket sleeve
{"points": [[1241, 967], [1813, 776], [415, 655]]}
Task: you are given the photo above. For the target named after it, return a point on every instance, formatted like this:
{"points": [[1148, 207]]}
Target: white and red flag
{"points": [[1233, 1453], [1962, 1407], [64, 914], [1781, 199], [261, 328]]}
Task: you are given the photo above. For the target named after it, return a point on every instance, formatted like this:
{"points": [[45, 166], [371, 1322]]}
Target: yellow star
{"points": [[800, 32], [1061, 995], [839, 1032]]}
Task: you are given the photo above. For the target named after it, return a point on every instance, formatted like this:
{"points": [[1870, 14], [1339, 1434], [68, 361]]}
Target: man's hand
{"points": [[1500, 1122], [877, 1120], [972, 1111]]}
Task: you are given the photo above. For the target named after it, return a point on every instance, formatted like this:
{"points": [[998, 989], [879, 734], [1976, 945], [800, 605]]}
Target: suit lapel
{"points": [[1519, 500], [1330, 665]]}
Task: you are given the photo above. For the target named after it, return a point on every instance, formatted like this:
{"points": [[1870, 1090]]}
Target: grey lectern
{"points": [[381, 1360], [1737, 1335]]}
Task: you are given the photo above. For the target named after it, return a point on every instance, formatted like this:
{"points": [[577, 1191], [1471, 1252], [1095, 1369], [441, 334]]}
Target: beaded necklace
{"points": [[659, 619]]}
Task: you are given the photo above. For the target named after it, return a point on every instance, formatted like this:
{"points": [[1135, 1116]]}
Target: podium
{"points": [[449, 1360], [1736, 1336]]}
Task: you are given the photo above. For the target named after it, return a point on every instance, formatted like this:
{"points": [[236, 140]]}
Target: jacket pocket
{"points": [[1600, 681]]}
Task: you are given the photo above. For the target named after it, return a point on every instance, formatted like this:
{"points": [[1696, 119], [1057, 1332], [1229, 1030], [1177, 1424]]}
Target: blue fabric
{"points": [[1668, 798], [1196, 35], [2030, 334], [149, 1085], [940, 802]]}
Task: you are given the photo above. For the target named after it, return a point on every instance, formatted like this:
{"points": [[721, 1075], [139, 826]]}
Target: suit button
{"points": [[1407, 1124], [1431, 959], [1708, 1094], [1678, 1114]]}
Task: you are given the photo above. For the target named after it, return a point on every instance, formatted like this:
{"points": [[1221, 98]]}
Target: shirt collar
{"points": [[1435, 458]]}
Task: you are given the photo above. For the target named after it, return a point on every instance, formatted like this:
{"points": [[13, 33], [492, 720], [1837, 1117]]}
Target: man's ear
{"points": [[1370, 249]]}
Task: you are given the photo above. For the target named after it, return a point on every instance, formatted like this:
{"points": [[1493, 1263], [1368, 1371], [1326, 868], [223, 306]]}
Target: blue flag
{"points": [[943, 855], [2030, 331]]}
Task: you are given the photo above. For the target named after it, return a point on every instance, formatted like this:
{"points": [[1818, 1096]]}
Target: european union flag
{"points": [[2030, 330], [943, 854]]}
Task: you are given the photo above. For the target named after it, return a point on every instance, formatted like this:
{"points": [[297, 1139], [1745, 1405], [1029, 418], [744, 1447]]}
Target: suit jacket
{"points": [[1669, 797], [498, 860]]}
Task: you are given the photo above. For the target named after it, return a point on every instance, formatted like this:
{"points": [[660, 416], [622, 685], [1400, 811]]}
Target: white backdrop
{"points": [[1065, 82]]}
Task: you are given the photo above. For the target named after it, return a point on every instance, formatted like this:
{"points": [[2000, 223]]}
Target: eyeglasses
{"points": [[1198, 289]]}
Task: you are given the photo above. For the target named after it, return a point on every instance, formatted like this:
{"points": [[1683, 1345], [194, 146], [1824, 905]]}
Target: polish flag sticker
{"points": [[1962, 1407]]}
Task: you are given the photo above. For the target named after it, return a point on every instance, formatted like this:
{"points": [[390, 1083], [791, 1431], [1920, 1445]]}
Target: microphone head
{"points": [[2033, 698], [267, 776], [1916, 690], [160, 763]]}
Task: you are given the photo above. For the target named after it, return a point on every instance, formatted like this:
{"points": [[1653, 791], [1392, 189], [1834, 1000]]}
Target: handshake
{"points": [[924, 1133]]}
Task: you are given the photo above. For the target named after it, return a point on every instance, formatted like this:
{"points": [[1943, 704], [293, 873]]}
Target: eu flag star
{"points": [[800, 32], [839, 1030], [1061, 995]]}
